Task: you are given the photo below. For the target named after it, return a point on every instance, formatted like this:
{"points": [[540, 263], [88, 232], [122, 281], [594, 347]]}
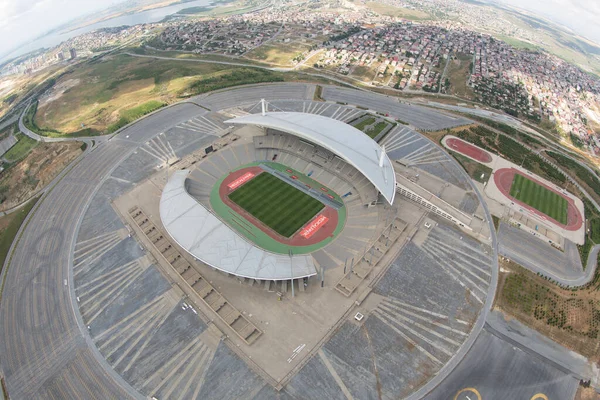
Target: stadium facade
{"points": [[356, 163]]}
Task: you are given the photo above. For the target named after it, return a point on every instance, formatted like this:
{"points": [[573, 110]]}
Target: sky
{"points": [[23, 20], [582, 16]]}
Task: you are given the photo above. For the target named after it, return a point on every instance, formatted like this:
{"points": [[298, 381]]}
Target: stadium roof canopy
{"points": [[209, 240], [347, 142]]}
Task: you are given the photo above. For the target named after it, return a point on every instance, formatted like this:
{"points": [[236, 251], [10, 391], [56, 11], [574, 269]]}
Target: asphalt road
{"points": [[467, 347], [529, 340], [420, 117], [252, 94], [45, 352], [40, 335], [495, 369], [537, 256]]}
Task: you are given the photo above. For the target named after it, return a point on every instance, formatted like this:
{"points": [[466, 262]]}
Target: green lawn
{"points": [[373, 131], [8, 234], [21, 148], [134, 113], [364, 123], [540, 198], [380, 126], [595, 230], [277, 204]]}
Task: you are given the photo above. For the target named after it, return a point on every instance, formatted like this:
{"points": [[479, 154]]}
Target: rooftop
{"points": [[347, 142], [211, 241]]}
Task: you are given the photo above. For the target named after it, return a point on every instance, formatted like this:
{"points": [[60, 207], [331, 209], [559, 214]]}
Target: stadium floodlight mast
{"points": [[291, 270], [345, 263], [381, 158]]}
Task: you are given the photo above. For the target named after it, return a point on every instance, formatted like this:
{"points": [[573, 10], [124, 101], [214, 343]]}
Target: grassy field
{"points": [[364, 73], [568, 316], [519, 44], [7, 131], [134, 113], [29, 121], [476, 171], [9, 226], [377, 129], [277, 204], [393, 11], [279, 53], [364, 123], [21, 180], [21, 86], [458, 73], [113, 90], [540, 198], [21, 148]]}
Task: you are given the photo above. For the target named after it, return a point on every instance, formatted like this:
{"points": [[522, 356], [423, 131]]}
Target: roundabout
{"points": [[130, 311]]}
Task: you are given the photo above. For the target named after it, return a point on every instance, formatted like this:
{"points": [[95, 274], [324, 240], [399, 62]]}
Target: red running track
{"points": [[326, 230], [469, 150], [503, 179]]}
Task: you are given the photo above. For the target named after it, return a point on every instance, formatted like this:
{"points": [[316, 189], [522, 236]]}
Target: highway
{"points": [[418, 116], [35, 136], [447, 370], [41, 340], [45, 351]]}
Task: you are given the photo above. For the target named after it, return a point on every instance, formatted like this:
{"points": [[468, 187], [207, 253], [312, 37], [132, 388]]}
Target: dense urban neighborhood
{"points": [[301, 199], [412, 56], [460, 54]]}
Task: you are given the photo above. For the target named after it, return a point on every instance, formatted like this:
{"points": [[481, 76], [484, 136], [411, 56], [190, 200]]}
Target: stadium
{"points": [[265, 206], [228, 250]]}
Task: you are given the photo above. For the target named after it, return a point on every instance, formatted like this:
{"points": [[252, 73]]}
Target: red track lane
{"points": [[469, 150], [323, 233], [503, 179]]}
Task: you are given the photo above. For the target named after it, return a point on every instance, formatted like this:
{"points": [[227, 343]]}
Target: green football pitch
{"points": [[277, 204], [539, 197]]}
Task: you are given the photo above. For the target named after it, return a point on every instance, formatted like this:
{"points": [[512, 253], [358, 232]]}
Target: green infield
{"points": [[277, 204], [540, 198], [255, 234]]}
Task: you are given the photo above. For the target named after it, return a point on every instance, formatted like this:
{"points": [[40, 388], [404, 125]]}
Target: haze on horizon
{"points": [[25, 20]]}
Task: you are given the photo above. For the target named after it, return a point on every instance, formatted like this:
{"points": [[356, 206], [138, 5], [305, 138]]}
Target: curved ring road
{"points": [[46, 350]]}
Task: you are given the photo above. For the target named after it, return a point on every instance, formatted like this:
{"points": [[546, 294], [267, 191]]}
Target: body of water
{"points": [[144, 17]]}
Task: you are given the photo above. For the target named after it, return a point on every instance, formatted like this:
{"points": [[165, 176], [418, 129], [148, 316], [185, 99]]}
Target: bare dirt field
{"points": [[586, 394], [58, 90], [569, 317], [22, 180], [458, 73], [437, 136], [19, 86]]}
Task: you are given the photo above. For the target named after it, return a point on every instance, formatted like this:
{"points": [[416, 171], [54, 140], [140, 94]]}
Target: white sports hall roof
{"points": [[347, 142], [208, 239]]}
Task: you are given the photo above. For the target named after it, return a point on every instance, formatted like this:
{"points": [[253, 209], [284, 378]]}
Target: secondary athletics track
{"points": [[469, 150], [503, 179]]}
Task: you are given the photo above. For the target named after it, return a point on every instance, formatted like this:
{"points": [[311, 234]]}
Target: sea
{"points": [[143, 17]]}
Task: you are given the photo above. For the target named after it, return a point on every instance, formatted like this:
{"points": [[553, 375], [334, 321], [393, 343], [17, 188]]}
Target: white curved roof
{"points": [[347, 142], [208, 239]]}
